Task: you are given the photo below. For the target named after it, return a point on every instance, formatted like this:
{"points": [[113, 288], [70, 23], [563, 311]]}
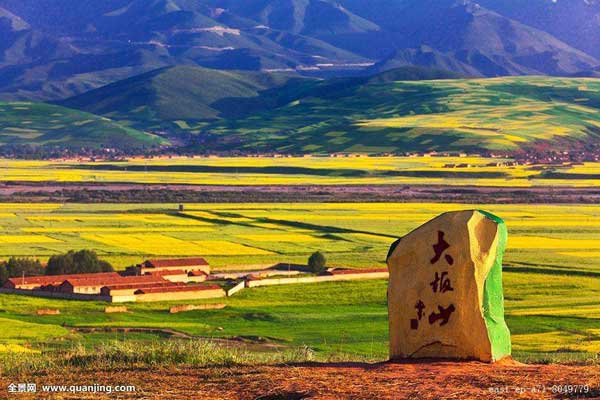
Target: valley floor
{"points": [[420, 380]]}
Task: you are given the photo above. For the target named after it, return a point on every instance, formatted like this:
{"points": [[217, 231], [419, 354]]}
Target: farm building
{"points": [[184, 292], [179, 275], [37, 282], [93, 285], [186, 265], [130, 289], [153, 280]]}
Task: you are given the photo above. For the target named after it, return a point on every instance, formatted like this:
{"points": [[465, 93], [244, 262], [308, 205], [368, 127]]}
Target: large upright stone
{"points": [[445, 295]]}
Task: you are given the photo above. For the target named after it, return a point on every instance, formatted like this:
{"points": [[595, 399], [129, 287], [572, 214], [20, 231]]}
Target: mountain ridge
{"points": [[83, 46]]}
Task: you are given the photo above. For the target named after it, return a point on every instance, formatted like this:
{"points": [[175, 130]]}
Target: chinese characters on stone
{"points": [[440, 284]]}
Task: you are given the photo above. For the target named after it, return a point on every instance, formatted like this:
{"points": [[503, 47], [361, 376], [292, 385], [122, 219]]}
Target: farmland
{"points": [[251, 171], [382, 113], [24, 123], [461, 115], [551, 271]]}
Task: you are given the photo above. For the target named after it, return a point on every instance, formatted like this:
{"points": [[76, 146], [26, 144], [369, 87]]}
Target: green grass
{"points": [[169, 97], [502, 114], [258, 112], [114, 354], [551, 295], [50, 125], [333, 318]]}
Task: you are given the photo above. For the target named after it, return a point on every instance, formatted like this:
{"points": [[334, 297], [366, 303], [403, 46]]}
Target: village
{"points": [[174, 279]]}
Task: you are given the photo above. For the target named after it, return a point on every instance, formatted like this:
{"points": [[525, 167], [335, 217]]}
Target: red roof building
{"points": [[186, 292], [183, 288], [37, 282], [171, 264], [175, 263], [129, 289], [93, 285]]}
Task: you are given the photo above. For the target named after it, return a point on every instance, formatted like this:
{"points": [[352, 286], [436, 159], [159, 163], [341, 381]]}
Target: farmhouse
{"points": [[174, 279], [130, 289], [93, 285], [179, 275], [37, 282], [153, 280], [184, 292], [186, 265]]}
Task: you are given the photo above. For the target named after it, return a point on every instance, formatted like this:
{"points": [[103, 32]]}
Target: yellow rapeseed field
{"points": [[537, 242], [158, 244], [282, 237], [22, 239], [371, 169]]}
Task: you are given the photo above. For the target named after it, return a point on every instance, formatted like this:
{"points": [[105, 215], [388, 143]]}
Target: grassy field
{"points": [[50, 125], [306, 171], [552, 271], [258, 113], [461, 115]]}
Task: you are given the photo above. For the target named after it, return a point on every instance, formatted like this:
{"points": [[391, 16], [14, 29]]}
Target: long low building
{"points": [[153, 280], [93, 285], [187, 265], [185, 292], [37, 282]]}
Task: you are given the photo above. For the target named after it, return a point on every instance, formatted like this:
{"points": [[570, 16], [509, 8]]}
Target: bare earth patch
{"points": [[422, 380]]}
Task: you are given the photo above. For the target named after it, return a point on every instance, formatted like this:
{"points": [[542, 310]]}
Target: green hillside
{"points": [[395, 111], [505, 114], [50, 125], [168, 97], [187, 98]]}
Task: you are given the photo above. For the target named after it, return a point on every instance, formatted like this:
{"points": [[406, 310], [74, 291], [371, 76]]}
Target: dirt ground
{"points": [[140, 193], [421, 380]]}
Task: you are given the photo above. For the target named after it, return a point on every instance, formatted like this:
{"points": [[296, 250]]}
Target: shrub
{"points": [[77, 262], [317, 262]]}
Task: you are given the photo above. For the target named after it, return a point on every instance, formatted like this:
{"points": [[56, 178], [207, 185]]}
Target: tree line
{"points": [[72, 262]]}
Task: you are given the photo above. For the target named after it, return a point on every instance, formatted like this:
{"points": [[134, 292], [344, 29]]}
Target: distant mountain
{"points": [[54, 49], [36, 124], [474, 40], [575, 22]]}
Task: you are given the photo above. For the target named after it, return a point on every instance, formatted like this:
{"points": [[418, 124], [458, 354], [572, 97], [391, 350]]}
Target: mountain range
{"points": [[56, 49]]}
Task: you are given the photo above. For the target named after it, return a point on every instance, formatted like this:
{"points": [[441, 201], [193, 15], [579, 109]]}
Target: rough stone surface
{"points": [[445, 296]]}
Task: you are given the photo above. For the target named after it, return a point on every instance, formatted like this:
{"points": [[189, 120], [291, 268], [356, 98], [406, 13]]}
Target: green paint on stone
{"points": [[493, 297]]}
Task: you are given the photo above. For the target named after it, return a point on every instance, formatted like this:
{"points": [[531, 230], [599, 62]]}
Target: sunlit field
{"points": [[455, 171], [551, 278]]}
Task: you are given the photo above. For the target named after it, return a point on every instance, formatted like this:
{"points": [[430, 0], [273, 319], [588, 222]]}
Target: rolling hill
{"points": [[54, 49], [160, 98], [479, 115], [176, 98], [401, 110], [39, 124]]}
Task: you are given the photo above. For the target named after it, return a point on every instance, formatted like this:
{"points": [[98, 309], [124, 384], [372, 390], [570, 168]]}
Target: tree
{"points": [[77, 262], [17, 267], [3, 274], [317, 262]]}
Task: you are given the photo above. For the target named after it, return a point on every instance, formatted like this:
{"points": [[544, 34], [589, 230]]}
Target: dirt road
{"points": [[439, 380]]}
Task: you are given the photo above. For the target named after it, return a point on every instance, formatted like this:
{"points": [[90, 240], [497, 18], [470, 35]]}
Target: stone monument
{"points": [[445, 296]]}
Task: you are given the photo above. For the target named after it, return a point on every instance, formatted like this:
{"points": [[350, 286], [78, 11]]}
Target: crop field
{"points": [[464, 115], [455, 171], [551, 278], [46, 124]]}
